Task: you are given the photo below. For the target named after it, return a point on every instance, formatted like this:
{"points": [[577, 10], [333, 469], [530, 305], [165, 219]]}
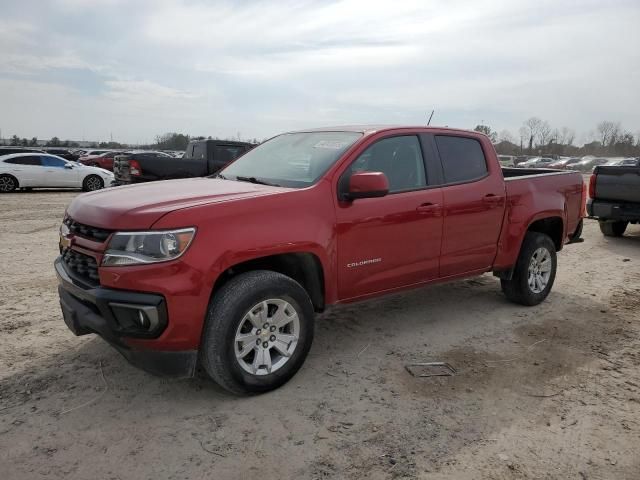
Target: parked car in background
{"points": [[33, 170], [507, 160], [536, 162], [564, 163], [227, 272], [12, 150], [614, 193], [202, 158], [89, 154], [104, 160], [586, 165], [623, 162], [63, 153]]}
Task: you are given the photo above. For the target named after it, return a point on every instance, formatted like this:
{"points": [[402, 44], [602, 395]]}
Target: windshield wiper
{"points": [[219, 175], [255, 180]]}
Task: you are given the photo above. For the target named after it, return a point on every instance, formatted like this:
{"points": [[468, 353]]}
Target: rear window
{"points": [[30, 160], [462, 158], [199, 150], [227, 153]]}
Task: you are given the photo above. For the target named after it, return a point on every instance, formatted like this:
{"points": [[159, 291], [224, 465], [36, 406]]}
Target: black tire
{"points": [[92, 183], [613, 229], [578, 233], [227, 310], [8, 183], [518, 289]]}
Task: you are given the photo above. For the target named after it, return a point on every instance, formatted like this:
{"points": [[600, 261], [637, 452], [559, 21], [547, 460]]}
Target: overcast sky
{"points": [[88, 68]]}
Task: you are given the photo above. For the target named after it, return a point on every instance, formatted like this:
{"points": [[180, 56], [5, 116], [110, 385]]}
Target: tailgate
{"points": [[620, 184]]}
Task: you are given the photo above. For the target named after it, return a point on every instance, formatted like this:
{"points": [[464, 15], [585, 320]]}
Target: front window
{"points": [[48, 161], [295, 160]]}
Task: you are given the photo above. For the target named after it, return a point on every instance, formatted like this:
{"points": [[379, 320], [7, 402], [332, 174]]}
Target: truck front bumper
{"points": [[118, 315], [603, 210]]}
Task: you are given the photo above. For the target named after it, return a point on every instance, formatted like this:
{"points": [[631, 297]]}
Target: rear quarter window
{"points": [[462, 158]]}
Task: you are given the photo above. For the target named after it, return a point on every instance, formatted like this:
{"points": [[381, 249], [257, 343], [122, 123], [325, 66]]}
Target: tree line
{"points": [[538, 137], [535, 137]]}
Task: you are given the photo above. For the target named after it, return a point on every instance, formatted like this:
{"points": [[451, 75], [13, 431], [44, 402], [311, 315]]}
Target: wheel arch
{"points": [[303, 267], [552, 226]]}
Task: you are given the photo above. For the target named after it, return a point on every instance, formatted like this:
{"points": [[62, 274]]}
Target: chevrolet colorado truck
{"points": [[226, 272], [614, 198]]}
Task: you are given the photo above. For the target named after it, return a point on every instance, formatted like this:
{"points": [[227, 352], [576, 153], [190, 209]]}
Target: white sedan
{"points": [[33, 170]]}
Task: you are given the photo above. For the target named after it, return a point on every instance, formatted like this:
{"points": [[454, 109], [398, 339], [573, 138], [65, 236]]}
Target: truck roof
{"points": [[371, 129]]}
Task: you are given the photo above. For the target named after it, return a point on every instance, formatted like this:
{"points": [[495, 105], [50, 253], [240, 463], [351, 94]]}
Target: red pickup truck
{"points": [[226, 272]]}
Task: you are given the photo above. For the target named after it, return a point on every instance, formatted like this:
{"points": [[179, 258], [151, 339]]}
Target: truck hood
{"points": [[139, 206]]}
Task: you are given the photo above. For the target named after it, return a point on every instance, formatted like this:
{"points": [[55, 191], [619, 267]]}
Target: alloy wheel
{"points": [[267, 336], [539, 270]]}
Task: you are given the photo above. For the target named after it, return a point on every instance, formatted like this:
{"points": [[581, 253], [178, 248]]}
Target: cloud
{"points": [[215, 68]]}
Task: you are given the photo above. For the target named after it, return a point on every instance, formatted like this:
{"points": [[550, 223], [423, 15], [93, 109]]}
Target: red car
{"points": [[103, 160], [228, 272]]}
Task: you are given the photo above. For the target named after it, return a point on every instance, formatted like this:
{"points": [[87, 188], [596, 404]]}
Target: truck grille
{"points": [[82, 266], [92, 233]]}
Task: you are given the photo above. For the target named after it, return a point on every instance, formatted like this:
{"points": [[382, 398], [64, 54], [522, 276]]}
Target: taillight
{"points": [[592, 186], [134, 168]]}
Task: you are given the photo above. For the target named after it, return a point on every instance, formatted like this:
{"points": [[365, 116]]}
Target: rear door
{"points": [[474, 202], [26, 169]]}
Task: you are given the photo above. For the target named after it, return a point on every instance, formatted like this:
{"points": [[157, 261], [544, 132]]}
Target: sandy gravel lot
{"points": [[547, 392]]}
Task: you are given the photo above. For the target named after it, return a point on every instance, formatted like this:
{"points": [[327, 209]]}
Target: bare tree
{"points": [[505, 136], [530, 130], [567, 136], [544, 133], [606, 131]]}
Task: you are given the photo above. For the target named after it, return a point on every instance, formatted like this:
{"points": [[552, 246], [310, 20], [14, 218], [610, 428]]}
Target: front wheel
{"points": [[258, 331], [92, 183], [613, 229], [535, 271]]}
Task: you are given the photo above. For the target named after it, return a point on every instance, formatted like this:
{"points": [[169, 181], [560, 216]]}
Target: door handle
{"points": [[492, 199], [429, 208]]}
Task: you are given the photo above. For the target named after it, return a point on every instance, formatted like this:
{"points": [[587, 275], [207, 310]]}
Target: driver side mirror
{"points": [[68, 165], [367, 185]]}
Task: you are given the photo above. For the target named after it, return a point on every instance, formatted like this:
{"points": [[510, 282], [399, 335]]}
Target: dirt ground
{"points": [[548, 392]]}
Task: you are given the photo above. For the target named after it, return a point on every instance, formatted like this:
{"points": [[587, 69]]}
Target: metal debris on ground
{"points": [[430, 369]]}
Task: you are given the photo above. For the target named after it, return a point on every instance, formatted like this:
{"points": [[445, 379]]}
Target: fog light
{"points": [[135, 318]]}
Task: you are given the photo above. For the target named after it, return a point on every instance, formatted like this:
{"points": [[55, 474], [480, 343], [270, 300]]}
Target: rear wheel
{"points": [[613, 229], [258, 331], [92, 183], [8, 183], [535, 271]]}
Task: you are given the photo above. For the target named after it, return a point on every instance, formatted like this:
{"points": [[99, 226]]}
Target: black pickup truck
{"points": [[614, 198], [201, 158]]}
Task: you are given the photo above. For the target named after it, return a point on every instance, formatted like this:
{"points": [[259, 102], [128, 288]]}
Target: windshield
{"points": [[291, 160]]}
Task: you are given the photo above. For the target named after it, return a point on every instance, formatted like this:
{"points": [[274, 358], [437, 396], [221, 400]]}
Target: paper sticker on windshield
{"points": [[333, 145]]}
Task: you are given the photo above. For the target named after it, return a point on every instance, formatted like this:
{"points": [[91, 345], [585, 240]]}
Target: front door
{"points": [[55, 173], [392, 241]]}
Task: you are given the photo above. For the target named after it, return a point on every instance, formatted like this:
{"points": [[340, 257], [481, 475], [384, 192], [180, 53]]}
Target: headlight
{"points": [[134, 248]]}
